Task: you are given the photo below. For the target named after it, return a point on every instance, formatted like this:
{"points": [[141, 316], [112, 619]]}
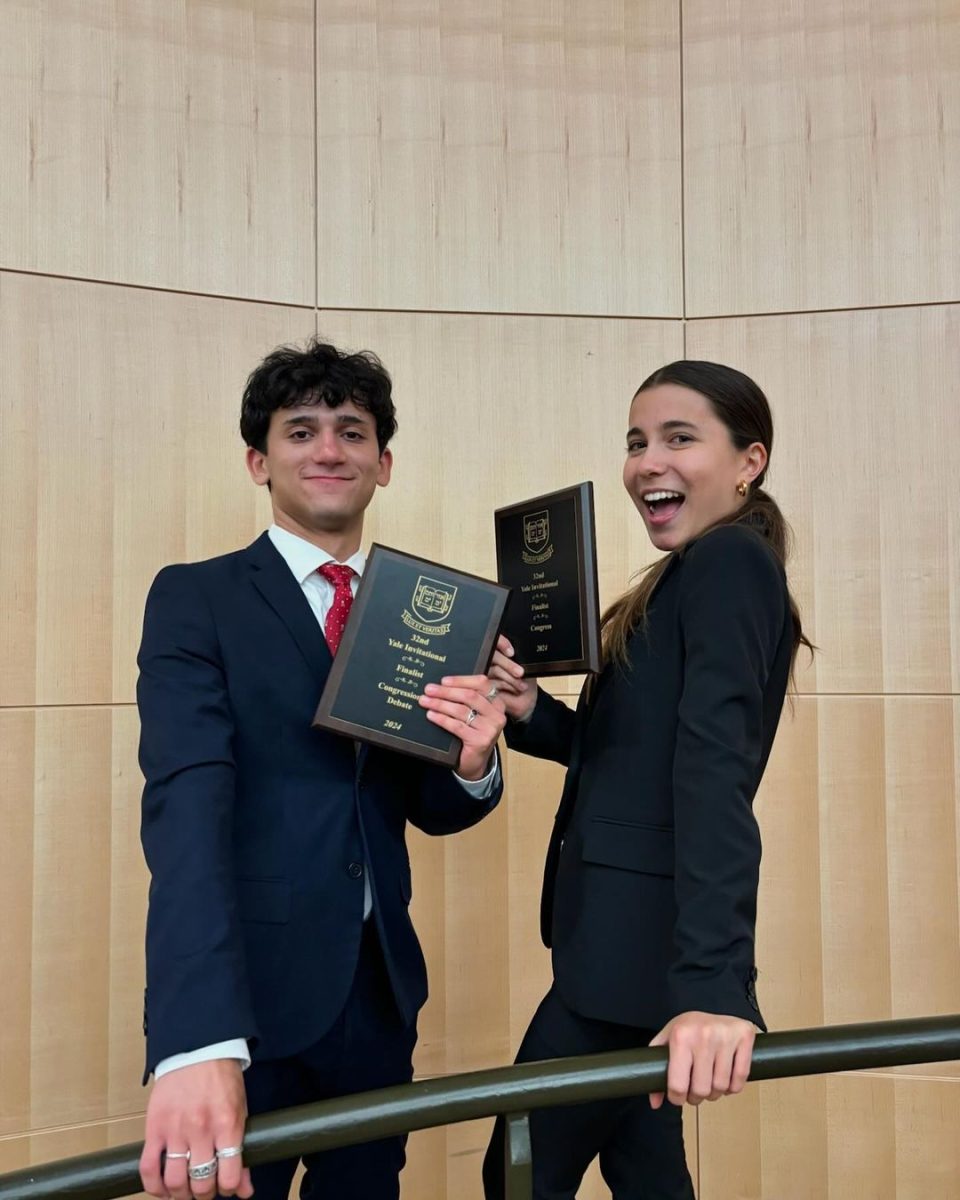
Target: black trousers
{"points": [[641, 1151], [367, 1047]]}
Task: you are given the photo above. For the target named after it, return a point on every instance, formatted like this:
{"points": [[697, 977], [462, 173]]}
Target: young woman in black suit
{"points": [[649, 896]]}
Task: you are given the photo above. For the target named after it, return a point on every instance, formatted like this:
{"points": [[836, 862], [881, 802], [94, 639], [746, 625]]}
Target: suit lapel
{"points": [[275, 582]]}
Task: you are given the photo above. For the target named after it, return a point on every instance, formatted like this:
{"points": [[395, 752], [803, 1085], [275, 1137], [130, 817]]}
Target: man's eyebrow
{"points": [[310, 419]]}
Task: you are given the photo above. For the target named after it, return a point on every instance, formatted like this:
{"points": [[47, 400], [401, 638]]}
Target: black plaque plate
{"points": [[412, 622], [546, 553]]}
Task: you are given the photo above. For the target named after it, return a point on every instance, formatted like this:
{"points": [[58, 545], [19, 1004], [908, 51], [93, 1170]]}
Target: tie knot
{"points": [[336, 573]]}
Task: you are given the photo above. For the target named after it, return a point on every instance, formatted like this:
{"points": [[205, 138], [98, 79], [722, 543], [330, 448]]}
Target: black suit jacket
{"points": [[257, 828], [649, 897]]}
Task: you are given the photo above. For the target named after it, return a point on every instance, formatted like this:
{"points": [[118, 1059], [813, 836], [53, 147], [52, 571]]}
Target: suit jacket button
{"points": [[355, 870]]}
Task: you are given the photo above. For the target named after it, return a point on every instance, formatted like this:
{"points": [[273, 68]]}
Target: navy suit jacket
{"points": [[257, 828], [649, 896]]}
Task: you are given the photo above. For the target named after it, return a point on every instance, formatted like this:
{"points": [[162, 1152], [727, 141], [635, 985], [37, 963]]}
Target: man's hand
{"points": [[519, 695], [468, 707], [709, 1057], [200, 1109]]}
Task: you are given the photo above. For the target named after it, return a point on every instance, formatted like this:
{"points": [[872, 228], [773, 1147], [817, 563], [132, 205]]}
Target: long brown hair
{"points": [[743, 408]]}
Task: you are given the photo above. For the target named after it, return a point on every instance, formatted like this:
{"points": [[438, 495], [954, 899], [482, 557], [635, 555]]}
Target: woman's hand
{"points": [[709, 1057], [519, 695]]}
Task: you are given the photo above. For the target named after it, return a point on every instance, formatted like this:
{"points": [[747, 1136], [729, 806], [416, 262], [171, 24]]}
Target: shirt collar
{"points": [[304, 558]]}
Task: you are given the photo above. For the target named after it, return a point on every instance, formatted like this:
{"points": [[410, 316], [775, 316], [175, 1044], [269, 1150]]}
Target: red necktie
{"points": [[340, 577]]}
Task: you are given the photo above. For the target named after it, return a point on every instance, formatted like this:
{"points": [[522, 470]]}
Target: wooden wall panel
{"points": [[534, 794], [129, 882], [17, 770], [511, 158], [858, 921], [70, 950], [859, 916], [48, 1145], [494, 408], [869, 476], [161, 143], [838, 1137], [821, 154], [122, 407], [74, 906]]}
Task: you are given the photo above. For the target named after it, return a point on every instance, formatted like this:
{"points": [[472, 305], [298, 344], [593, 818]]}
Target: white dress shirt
{"points": [[304, 560]]}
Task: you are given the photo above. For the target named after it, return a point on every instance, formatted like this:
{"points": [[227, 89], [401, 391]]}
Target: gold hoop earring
{"points": [[742, 487]]}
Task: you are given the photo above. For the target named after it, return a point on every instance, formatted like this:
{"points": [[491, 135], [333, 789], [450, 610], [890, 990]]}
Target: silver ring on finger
{"points": [[169, 1154], [493, 693], [471, 716], [230, 1152], [203, 1170]]}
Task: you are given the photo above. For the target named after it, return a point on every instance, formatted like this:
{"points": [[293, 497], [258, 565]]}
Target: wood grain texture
{"points": [[162, 142], [123, 455], [48, 1145], [74, 904], [821, 154], [17, 770], [859, 812], [493, 409], [866, 466], [837, 1137], [511, 158]]}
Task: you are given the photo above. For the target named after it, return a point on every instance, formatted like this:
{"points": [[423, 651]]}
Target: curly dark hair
{"points": [[317, 374]]}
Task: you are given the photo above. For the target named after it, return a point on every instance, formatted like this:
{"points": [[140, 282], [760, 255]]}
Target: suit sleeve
{"points": [[197, 992], [440, 804], [733, 606], [549, 731]]}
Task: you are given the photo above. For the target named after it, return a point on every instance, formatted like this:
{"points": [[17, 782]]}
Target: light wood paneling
{"points": [[533, 796], [74, 905], [48, 1145], [866, 466], [821, 154], [492, 409], [70, 952], [128, 914], [839, 1137], [122, 408], [859, 915], [167, 142], [17, 769], [512, 158]]}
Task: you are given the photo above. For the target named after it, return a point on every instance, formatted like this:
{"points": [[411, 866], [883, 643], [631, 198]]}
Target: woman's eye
{"points": [[681, 439], [633, 447]]}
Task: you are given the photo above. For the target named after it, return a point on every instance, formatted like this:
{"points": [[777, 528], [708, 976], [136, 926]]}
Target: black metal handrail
{"points": [[513, 1091]]}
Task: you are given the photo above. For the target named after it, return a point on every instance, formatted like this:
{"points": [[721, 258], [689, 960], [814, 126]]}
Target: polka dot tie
{"points": [[340, 577]]}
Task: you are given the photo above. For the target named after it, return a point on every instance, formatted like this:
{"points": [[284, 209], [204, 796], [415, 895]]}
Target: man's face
{"points": [[323, 466]]}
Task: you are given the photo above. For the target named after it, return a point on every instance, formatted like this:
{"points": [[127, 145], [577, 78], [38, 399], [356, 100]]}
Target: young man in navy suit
{"points": [[278, 929]]}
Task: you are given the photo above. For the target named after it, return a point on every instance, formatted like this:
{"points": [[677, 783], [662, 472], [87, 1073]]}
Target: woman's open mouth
{"points": [[662, 506]]}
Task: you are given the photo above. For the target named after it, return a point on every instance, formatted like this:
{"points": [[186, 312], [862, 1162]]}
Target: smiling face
{"points": [[323, 466], [682, 468]]}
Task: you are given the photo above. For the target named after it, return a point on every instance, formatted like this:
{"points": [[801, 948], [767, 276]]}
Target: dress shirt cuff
{"points": [[482, 789], [236, 1048]]}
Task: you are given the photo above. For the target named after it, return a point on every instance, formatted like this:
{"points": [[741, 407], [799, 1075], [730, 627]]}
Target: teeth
{"points": [[649, 496]]}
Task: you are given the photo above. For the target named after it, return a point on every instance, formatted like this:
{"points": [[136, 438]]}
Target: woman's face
{"points": [[682, 469]]}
